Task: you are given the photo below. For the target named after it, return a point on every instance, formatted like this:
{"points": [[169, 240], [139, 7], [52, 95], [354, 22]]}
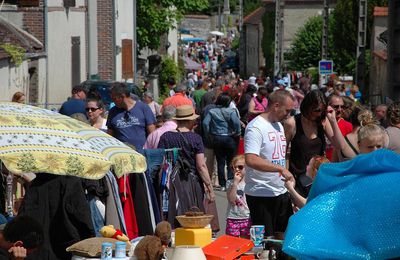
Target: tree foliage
{"points": [[157, 17], [342, 38], [169, 68], [345, 29], [306, 47], [250, 5], [268, 41]]}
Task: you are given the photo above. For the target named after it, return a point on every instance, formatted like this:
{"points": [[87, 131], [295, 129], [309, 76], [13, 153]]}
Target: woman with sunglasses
{"points": [[95, 112], [238, 221], [306, 133]]}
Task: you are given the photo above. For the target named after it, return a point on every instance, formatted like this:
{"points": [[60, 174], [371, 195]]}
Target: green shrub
{"points": [[169, 68]]}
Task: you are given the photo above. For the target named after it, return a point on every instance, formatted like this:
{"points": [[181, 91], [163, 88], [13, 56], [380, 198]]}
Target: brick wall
{"points": [[33, 21], [105, 39]]}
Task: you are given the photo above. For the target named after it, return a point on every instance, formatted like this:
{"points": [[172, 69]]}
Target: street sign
{"points": [[325, 67]]}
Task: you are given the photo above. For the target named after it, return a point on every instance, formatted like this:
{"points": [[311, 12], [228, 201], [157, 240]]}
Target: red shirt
{"points": [[345, 128], [178, 99]]}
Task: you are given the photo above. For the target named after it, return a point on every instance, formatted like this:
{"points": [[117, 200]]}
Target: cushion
{"points": [[91, 247]]}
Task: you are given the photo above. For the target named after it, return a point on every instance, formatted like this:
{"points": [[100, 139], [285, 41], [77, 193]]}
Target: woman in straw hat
{"points": [[192, 154]]}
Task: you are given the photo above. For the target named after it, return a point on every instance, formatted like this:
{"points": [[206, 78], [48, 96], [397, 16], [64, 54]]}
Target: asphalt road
{"points": [[222, 204]]}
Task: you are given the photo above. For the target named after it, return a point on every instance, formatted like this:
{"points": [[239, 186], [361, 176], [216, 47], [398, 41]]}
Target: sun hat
{"points": [[185, 112]]}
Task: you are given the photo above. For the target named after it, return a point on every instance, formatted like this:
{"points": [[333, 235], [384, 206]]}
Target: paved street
{"points": [[222, 204]]}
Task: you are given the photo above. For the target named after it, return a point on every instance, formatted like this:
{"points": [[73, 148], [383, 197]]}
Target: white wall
{"points": [[92, 40], [294, 18], [123, 30], [62, 26], [13, 79], [42, 81], [173, 39]]}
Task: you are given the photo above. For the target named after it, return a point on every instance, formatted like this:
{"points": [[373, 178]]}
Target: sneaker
{"points": [[223, 188]]}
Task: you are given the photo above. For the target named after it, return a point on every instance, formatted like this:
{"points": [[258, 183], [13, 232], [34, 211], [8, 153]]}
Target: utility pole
{"points": [[361, 42], [240, 16], [134, 43], [242, 42], [278, 36], [219, 15], [325, 16]]}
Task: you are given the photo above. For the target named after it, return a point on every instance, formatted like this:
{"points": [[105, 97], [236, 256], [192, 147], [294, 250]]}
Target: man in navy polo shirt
{"points": [[129, 121], [76, 104]]}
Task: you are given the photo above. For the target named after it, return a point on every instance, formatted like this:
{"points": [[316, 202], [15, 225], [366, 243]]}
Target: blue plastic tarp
{"points": [[352, 211]]}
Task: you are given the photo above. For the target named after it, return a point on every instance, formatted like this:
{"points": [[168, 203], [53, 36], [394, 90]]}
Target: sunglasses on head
{"points": [[239, 167], [91, 109]]}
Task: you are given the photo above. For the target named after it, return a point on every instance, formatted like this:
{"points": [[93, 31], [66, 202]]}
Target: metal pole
{"points": [[324, 51], [362, 34], [278, 38], [240, 15], [219, 15], [134, 43], [46, 46]]}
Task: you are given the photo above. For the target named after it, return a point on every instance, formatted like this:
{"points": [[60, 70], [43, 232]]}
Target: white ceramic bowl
{"points": [[188, 252]]}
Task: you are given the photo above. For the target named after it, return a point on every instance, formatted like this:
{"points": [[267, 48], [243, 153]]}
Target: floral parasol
{"points": [[34, 139]]}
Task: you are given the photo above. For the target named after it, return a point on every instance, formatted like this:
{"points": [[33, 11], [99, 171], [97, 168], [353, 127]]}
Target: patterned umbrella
{"points": [[36, 140]]}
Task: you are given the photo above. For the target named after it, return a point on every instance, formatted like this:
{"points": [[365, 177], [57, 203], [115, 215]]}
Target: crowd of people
{"points": [[261, 142]]}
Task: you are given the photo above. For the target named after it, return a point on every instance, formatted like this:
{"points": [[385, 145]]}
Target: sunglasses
{"points": [[339, 106], [91, 109], [239, 167], [126, 116]]}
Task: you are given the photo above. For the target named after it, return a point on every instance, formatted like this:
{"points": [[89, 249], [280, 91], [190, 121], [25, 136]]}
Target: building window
{"points": [[28, 3], [11, 2], [69, 3]]}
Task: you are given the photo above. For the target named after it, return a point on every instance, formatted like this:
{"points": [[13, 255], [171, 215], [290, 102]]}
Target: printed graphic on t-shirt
{"points": [[127, 121], [278, 156]]}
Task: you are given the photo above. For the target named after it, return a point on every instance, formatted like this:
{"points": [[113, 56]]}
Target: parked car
{"points": [[103, 88]]}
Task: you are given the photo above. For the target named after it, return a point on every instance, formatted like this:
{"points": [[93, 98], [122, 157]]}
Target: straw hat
{"points": [[185, 112]]}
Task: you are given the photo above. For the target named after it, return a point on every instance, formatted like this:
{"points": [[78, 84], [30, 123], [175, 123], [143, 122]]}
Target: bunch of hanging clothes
{"points": [[72, 209], [177, 187]]}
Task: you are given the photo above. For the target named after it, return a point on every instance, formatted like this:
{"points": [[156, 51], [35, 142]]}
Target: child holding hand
{"points": [[238, 221], [311, 171]]}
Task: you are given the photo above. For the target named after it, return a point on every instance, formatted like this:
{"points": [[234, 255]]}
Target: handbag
{"points": [[210, 207]]}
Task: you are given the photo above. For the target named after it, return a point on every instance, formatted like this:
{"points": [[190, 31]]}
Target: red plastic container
{"points": [[227, 248]]}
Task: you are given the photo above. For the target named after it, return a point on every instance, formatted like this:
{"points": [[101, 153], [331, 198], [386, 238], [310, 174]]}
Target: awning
{"points": [[193, 40]]}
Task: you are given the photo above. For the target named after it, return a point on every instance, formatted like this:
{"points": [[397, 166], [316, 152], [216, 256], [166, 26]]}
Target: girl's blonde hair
{"points": [[318, 160], [365, 117], [371, 130], [237, 158]]}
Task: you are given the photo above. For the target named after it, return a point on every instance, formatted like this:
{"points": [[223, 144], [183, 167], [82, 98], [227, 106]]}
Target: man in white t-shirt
{"points": [[265, 149]]}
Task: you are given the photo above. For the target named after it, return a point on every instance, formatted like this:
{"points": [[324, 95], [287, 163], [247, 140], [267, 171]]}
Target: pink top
{"points": [[259, 106], [154, 137]]}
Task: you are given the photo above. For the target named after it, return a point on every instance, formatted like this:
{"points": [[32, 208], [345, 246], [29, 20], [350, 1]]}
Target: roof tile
{"points": [[255, 16]]}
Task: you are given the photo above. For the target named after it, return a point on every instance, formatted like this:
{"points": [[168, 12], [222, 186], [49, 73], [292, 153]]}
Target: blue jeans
{"points": [[97, 219], [225, 148], [154, 158]]}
